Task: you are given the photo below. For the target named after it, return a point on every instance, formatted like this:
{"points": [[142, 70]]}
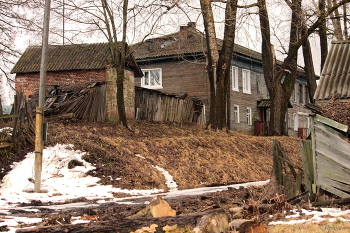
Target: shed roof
{"points": [[70, 57], [335, 76]]}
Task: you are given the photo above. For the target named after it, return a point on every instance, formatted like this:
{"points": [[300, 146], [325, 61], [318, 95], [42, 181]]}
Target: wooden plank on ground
{"points": [[335, 191], [334, 183], [9, 116]]}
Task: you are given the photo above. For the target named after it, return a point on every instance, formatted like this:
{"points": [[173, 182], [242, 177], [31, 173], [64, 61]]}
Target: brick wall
{"points": [[29, 82], [129, 94]]}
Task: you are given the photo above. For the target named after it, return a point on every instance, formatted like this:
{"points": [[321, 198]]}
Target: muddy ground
{"points": [[194, 156]]}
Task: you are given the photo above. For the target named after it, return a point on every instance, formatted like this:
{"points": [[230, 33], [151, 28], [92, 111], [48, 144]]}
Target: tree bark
{"points": [[322, 32], [337, 33], [212, 54], [218, 65], [224, 64], [309, 70]]}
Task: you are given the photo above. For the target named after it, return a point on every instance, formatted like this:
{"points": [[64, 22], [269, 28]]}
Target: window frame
{"points": [[249, 116], [295, 121], [149, 86], [247, 88], [236, 114], [234, 73]]}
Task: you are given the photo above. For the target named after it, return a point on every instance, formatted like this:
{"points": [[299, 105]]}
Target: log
{"points": [[214, 221], [336, 201]]}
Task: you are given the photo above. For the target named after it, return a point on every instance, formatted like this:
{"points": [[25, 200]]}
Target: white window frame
{"points": [[249, 116], [295, 93], [246, 81], [234, 73], [149, 85], [296, 121], [236, 113]]}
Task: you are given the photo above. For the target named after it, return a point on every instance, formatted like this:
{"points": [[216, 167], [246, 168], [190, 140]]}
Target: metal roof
{"points": [[335, 76], [266, 103]]}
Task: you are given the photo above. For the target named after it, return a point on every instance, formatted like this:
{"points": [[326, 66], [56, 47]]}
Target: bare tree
{"points": [[110, 20], [280, 80], [16, 19], [218, 64]]}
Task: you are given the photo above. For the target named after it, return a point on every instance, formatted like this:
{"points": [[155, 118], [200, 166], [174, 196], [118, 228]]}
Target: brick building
{"points": [[72, 65], [175, 64]]}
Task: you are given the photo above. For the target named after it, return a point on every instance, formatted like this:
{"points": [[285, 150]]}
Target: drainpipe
{"points": [[39, 143]]}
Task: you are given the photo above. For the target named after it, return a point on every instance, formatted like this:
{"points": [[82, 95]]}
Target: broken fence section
{"points": [[153, 105], [331, 156]]}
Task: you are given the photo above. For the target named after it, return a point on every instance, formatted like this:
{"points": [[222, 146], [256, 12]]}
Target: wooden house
{"points": [[79, 64], [175, 63]]}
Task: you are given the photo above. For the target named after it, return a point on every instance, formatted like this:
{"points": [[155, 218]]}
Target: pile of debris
{"points": [[80, 101], [336, 110]]}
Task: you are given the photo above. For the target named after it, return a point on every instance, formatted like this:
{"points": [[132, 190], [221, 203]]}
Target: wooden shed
{"points": [[78, 64]]}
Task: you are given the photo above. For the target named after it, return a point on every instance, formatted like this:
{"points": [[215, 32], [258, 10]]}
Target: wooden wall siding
{"points": [[331, 156], [156, 106]]}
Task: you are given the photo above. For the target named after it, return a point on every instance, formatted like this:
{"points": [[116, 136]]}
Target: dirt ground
{"points": [[194, 156]]}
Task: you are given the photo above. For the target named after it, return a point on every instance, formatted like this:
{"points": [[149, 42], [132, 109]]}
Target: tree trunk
{"points": [[309, 70], [120, 95], [212, 54], [338, 34], [218, 66], [224, 64], [322, 32]]}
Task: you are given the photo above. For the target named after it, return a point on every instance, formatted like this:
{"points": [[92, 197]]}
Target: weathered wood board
{"points": [[156, 106], [331, 156]]}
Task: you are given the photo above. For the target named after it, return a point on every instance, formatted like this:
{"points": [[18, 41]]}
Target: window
{"points": [[152, 78], [301, 96], [307, 99], [249, 116], [296, 121], [258, 83], [235, 78], [246, 81], [236, 113], [295, 93]]}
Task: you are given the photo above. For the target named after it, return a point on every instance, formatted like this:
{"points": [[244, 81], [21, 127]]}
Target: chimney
{"points": [[190, 25]]}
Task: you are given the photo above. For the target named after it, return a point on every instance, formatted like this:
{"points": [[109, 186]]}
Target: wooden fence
{"points": [[156, 106], [327, 159]]}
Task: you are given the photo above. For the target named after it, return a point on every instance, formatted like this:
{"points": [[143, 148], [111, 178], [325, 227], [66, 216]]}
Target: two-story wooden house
{"points": [[175, 63]]}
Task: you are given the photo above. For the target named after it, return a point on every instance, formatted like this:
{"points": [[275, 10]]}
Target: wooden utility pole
{"points": [[39, 144]]}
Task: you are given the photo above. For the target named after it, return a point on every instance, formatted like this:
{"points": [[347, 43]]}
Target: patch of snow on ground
{"points": [[58, 182], [330, 214], [170, 183], [62, 184]]}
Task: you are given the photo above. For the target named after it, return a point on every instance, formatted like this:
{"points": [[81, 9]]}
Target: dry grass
{"points": [[194, 156], [337, 226]]}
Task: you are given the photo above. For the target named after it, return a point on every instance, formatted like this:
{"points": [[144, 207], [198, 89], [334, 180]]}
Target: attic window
{"points": [[167, 43]]}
